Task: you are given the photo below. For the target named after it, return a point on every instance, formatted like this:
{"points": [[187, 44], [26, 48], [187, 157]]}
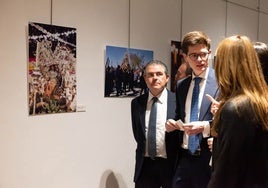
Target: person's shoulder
{"points": [[239, 100], [239, 114], [169, 91], [239, 105], [187, 78], [171, 95], [211, 72], [183, 81], [228, 107], [140, 97]]}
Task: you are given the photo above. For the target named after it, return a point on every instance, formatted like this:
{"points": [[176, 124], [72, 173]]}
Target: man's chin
{"points": [[200, 70]]}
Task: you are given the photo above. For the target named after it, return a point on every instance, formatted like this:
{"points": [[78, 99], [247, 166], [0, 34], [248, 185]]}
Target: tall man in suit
{"points": [[193, 169], [154, 170]]}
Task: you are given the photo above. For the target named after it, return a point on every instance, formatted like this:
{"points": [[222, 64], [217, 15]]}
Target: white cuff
{"points": [[206, 131]]}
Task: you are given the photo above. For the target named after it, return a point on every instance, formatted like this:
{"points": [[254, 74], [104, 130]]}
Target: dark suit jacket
{"points": [[205, 114], [138, 110], [241, 149]]}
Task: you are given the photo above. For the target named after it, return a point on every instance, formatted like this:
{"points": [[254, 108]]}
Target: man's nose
{"points": [[199, 58], [155, 76]]}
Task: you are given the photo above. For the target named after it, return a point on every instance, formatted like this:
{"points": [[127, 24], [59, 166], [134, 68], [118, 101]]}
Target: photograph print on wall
{"points": [[51, 69], [124, 71]]}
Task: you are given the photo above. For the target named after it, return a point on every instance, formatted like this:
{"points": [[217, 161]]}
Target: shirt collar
{"points": [[203, 75], [160, 97]]}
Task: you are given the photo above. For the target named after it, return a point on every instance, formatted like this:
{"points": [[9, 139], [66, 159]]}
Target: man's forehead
{"points": [[198, 47]]}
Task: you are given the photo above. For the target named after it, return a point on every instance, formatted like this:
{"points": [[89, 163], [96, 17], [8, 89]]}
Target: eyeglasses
{"points": [[194, 56]]}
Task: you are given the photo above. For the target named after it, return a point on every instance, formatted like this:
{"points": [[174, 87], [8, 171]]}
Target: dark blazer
{"points": [[205, 114], [241, 149], [138, 110]]}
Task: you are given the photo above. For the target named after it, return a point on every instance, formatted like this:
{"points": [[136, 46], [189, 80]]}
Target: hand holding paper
{"points": [[194, 127], [172, 125]]}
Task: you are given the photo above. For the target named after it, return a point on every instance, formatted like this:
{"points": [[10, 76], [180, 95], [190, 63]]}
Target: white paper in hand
{"points": [[180, 124]]}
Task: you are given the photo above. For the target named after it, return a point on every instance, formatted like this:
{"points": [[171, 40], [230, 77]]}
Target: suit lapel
{"points": [[183, 87], [142, 106], [211, 89], [171, 105]]}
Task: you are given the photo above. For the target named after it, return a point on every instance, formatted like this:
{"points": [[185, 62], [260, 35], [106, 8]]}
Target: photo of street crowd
{"points": [[51, 69], [124, 71]]}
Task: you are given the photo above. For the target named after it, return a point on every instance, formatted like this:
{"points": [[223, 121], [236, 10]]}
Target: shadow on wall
{"points": [[110, 180]]}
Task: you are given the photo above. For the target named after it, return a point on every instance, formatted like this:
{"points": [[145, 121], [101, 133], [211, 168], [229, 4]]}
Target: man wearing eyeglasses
{"points": [[193, 109]]}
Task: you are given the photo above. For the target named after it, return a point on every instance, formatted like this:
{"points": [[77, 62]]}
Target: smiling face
{"points": [[156, 78], [197, 57]]}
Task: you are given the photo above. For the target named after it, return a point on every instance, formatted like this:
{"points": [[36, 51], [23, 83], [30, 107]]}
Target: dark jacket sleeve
{"points": [[241, 150]]}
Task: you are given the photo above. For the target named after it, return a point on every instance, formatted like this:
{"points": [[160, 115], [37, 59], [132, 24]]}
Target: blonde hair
{"points": [[239, 75]]}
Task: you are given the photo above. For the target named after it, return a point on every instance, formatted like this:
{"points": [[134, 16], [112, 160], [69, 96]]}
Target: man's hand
{"points": [[214, 104], [210, 144], [172, 125], [194, 127]]}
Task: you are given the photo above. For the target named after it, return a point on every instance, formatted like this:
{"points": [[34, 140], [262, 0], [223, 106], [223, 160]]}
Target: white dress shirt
{"points": [[160, 123]]}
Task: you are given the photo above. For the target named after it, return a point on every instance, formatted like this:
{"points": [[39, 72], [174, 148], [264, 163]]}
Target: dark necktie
{"points": [[152, 129], [193, 141]]}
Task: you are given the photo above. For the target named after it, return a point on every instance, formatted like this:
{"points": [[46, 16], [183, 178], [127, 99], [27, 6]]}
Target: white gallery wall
{"points": [[95, 148]]}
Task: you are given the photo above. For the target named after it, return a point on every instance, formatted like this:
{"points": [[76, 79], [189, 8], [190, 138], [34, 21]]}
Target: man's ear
{"points": [[209, 54], [168, 76]]}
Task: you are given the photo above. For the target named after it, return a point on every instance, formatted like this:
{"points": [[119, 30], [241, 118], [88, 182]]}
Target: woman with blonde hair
{"points": [[240, 125]]}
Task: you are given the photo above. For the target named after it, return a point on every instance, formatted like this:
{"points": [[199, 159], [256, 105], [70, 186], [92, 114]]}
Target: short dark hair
{"points": [[192, 38], [157, 62]]}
